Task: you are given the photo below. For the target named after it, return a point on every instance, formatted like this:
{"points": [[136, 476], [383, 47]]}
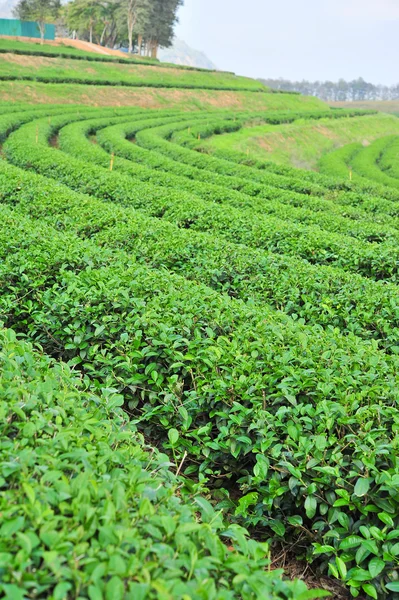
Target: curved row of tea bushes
{"points": [[144, 83], [348, 162], [8, 126], [116, 139], [338, 162], [343, 182], [109, 71], [190, 138], [87, 509], [73, 139], [389, 160], [241, 390], [161, 137], [319, 295], [365, 163], [156, 139], [243, 226], [12, 120]]}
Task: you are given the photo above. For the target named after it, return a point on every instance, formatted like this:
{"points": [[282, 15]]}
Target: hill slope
{"points": [[181, 54], [302, 144], [65, 70], [203, 342]]}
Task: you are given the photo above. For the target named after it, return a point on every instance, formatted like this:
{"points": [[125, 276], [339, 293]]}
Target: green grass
{"points": [[63, 70], [47, 93], [302, 144]]}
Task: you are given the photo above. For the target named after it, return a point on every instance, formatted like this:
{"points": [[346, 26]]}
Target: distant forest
{"points": [[341, 91]]}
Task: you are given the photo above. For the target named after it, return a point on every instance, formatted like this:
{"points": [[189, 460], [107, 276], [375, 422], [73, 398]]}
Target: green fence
{"points": [[15, 27]]}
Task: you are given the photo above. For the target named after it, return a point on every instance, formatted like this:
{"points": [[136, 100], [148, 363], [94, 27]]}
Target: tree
{"points": [[160, 24], [135, 14], [109, 33], [120, 22], [41, 11], [342, 91], [84, 15]]}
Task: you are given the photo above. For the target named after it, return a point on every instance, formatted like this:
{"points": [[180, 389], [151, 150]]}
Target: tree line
{"points": [[340, 91], [141, 26]]}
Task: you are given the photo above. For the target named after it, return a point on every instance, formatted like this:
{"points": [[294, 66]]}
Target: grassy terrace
{"points": [[147, 97], [302, 143], [67, 51], [62, 70]]}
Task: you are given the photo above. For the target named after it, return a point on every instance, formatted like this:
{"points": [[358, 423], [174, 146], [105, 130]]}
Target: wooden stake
{"points": [[181, 463], [37, 134], [111, 164]]}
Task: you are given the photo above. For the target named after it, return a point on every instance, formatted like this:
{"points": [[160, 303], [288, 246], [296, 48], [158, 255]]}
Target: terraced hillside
{"points": [[304, 142], [192, 344]]}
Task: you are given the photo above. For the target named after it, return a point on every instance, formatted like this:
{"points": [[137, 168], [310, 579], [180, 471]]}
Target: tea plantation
{"points": [[199, 347]]}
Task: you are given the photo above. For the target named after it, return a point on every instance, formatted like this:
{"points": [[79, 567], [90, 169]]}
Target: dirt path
{"points": [[88, 47], [79, 44]]}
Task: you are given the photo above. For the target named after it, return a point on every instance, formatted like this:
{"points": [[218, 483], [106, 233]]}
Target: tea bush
{"points": [[88, 509]]}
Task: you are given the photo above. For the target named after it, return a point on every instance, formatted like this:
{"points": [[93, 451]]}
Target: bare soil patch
{"points": [[328, 133], [28, 61], [44, 93], [298, 569]]}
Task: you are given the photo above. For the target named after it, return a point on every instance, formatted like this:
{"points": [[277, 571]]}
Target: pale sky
{"points": [[313, 39]]}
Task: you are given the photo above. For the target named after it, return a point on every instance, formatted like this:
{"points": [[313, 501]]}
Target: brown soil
{"points": [[263, 144], [297, 569], [53, 141], [81, 45], [28, 61], [44, 93], [331, 135], [142, 70]]}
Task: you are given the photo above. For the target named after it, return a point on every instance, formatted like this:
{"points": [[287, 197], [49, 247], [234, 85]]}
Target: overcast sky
{"points": [[314, 39]]}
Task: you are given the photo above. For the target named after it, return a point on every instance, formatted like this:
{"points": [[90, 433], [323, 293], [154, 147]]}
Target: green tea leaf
{"points": [[310, 506], [341, 566], [114, 590], [173, 436], [376, 566], [362, 487], [370, 590]]}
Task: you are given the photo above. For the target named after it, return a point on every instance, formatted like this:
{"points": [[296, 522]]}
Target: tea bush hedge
{"points": [[87, 508], [215, 347]]}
